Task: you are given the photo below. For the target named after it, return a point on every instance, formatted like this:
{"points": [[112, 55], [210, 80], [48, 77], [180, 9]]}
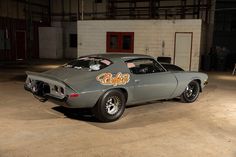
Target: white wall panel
{"points": [[183, 50], [148, 36], [50, 42], [69, 28]]}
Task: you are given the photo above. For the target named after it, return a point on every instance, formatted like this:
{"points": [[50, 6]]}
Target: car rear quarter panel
{"points": [[91, 89]]}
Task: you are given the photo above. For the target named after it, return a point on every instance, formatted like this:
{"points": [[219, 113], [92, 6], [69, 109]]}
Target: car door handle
{"points": [[136, 81]]}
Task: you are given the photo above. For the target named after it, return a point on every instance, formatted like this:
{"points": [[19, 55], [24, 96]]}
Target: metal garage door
{"points": [[183, 49]]}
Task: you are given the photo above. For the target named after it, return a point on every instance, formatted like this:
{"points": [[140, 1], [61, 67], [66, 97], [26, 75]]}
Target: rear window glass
{"points": [[89, 63]]}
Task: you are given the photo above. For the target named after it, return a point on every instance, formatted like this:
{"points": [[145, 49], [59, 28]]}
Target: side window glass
{"points": [[144, 66]]}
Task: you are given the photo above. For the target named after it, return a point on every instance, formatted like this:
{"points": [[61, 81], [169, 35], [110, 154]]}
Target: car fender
{"points": [[184, 78]]}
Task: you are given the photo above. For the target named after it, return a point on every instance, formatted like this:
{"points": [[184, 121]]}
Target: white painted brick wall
{"points": [[148, 36], [50, 42]]}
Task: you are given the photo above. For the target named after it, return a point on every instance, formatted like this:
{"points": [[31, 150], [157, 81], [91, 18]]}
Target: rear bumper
{"points": [[74, 102], [46, 96], [43, 87]]}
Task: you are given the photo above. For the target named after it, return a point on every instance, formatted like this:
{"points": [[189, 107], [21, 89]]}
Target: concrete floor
{"points": [[205, 128]]}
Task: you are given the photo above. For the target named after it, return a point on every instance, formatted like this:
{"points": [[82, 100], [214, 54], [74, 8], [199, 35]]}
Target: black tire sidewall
{"points": [[100, 111]]}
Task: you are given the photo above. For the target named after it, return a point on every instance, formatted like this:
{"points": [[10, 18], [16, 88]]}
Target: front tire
{"points": [[191, 92], [110, 106]]}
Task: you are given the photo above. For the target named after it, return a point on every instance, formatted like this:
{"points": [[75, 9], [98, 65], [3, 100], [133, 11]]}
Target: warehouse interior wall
{"points": [[69, 36], [9, 28], [18, 15], [19, 22], [149, 36]]}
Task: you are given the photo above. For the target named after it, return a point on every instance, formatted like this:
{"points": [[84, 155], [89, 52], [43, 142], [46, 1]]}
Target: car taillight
{"points": [[29, 83], [73, 95]]}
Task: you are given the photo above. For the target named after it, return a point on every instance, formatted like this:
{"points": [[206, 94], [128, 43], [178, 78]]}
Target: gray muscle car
{"points": [[106, 83]]}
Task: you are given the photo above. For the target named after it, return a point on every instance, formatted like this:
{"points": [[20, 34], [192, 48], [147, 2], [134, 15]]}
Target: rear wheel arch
{"points": [[123, 90]]}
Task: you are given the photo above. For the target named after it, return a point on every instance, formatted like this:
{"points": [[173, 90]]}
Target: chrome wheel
{"points": [[112, 105], [191, 92]]}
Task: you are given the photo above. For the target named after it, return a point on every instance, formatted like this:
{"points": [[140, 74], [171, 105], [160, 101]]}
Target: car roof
{"points": [[118, 56]]}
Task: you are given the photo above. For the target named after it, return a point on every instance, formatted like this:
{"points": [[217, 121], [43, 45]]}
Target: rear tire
{"points": [[110, 106], [191, 92]]}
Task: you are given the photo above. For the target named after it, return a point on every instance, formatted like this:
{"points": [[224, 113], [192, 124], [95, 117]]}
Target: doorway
{"points": [[20, 45], [183, 50]]}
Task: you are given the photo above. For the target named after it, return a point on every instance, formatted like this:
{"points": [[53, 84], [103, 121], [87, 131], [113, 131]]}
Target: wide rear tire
{"points": [[110, 106], [191, 92]]}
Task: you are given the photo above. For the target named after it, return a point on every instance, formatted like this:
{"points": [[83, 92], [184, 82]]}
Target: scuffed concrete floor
{"points": [[205, 128]]}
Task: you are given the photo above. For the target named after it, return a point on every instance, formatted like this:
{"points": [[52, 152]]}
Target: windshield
{"points": [[90, 63]]}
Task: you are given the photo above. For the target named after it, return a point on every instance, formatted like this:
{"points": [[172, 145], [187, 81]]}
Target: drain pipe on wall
{"points": [[163, 48], [82, 10]]}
